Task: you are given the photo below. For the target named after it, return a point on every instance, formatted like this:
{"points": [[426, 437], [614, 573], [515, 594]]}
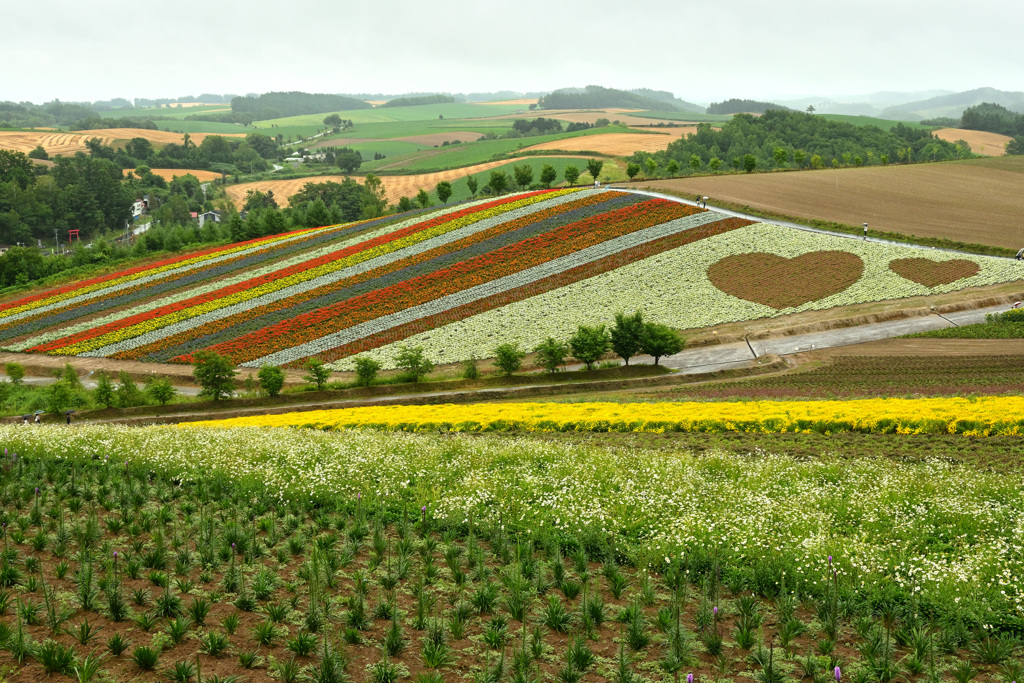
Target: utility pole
{"points": [[56, 238]]}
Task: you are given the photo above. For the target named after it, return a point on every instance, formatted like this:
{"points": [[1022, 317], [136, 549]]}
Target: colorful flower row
{"points": [[392, 270], [128, 328], [360, 231], [673, 288], [475, 271], [465, 285], [985, 416]]}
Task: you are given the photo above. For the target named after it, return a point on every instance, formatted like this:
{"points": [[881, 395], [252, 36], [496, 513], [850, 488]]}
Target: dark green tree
{"points": [[366, 371], [632, 170], [627, 335], [161, 390], [749, 163], [571, 174], [38, 153], [103, 394], [15, 372], [594, 167], [422, 198], [444, 191], [214, 373], [1016, 145], [317, 373], [405, 204], [551, 354], [472, 185], [588, 344], [128, 392], [661, 340], [508, 358], [672, 168], [413, 363], [59, 397], [523, 175], [271, 380], [548, 175], [498, 182]]}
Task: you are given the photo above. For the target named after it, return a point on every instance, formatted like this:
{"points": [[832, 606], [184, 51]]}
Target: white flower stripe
{"points": [[496, 286]]}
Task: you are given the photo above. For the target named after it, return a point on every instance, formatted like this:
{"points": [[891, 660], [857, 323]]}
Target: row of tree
{"points": [[996, 118]]}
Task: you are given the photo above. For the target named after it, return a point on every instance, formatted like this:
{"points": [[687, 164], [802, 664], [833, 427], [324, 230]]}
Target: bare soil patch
{"points": [[932, 273], [619, 144], [968, 201], [170, 173], [782, 282], [981, 142]]}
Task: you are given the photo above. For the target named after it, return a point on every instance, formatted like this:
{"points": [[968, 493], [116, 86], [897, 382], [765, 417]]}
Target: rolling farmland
{"points": [[981, 142], [974, 201], [67, 143]]}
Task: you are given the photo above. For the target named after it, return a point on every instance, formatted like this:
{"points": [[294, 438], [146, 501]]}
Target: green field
{"points": [[474, 153], [679, 116], [457, 110], [203, 127], [884, 124], [401, 129], [172, 113]]}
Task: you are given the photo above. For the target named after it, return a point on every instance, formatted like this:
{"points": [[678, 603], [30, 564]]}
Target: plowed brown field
{"points": [[981, 142], [968, 201], [394, 186], [69, 143]]}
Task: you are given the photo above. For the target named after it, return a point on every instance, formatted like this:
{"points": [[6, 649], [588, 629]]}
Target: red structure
{"points": [[74, 233]]}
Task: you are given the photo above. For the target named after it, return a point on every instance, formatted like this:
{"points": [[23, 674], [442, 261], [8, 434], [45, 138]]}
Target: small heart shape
{"points": [[933, 273], [781, 282]]}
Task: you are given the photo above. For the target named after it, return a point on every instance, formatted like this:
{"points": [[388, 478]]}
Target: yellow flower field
{"points": [[993, 415]]}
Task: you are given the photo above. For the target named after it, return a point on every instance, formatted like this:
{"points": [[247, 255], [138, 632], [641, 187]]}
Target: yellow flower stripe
{"points": [[987, 416], [297, 278], [153, 271]]}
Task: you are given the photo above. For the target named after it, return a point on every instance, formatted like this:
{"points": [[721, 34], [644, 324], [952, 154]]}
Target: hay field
{"points": [[969, 201], [59, 142], [981, 142], [619, 144], [169, 173], [395, 187]]}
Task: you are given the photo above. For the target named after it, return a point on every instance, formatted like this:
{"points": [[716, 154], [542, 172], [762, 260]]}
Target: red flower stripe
{"points": [[563, 279], [256, 282], [501, 262], [288, 302]]}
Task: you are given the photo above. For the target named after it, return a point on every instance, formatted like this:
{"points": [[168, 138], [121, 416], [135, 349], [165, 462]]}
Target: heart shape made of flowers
{"points": [[780, 282], [933, 273]]}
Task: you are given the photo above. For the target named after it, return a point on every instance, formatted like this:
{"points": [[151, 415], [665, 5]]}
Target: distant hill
{"points": [[419, 101], [954, 104], [665, 96], [273, 105], [596, 97], [735, 106]]}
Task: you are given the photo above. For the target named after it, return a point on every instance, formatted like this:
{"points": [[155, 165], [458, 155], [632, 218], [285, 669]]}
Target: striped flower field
{"points": [[455, 280]]}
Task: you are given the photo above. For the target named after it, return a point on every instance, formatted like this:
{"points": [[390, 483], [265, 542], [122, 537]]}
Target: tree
{"points": [[59, 397], [422, 198], [444, 191], [571, 174], [128, 392], [271, 380], [548, 175], [161, 390], [551, 354], [652, 167], [38, 153], [509, 357], [214, 373], [348, 160], [498, 182], [333, 120], [523, 175], [374, 202], [15, 372], [632, 169], [318, 373], [317, 214], [661, 340], [810, 108], [589, 344], [412, 361], [627, 335], [103, 394], [780, 154], [366, 371], [594, 167], [696, 162], [1016, 145], [472, 185], [749, 163], [714, 164], [672, 167], [405, 204]]}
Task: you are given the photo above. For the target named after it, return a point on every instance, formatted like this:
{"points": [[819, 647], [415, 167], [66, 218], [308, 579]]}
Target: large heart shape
{"points": [[782, 282], [933, 273]]}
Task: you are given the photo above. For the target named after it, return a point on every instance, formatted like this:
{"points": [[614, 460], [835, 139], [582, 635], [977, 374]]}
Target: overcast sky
{"points": [[701, 51]]}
